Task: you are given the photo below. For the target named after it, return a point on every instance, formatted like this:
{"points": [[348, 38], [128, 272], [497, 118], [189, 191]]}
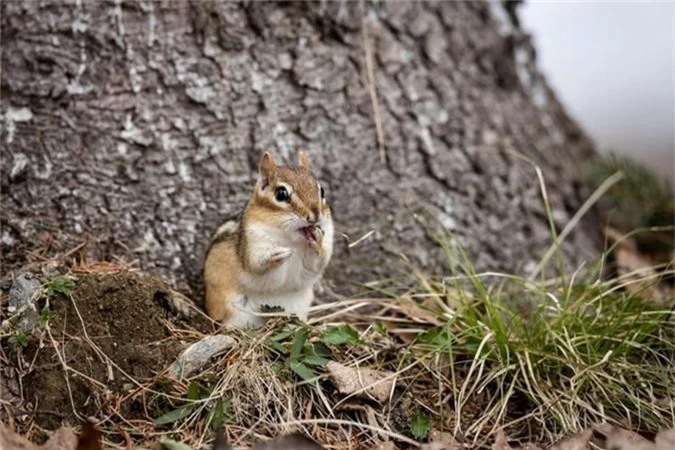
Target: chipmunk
{"points": [[276, 253]]}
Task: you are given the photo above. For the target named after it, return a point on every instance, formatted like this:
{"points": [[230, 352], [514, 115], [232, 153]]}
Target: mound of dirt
{"points": [[112, 335]]}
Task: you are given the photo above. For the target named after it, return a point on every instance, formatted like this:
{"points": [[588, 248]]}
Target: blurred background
{"points": [[611, 64]]}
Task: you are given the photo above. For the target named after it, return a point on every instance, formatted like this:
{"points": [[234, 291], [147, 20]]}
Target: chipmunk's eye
{"points": [[323, 193], [282, 195]]}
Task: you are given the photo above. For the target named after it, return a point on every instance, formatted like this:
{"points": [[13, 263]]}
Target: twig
{"points": [[599, 192], [379, 130]]}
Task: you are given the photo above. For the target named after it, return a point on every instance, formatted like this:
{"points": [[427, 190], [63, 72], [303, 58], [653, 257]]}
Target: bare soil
{"points": [[113, 333]]}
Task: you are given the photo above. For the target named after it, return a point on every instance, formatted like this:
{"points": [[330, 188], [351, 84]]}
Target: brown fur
{"points": [[221, 272], [228, 254]]}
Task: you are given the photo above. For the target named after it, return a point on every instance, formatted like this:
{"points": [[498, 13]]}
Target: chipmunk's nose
{"points": [[313, 215]]}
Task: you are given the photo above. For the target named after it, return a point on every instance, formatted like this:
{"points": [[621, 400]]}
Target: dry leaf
{"points": [[89, 438], [637, 270], [290, 442], [620, 439], [440, 440], [577, 442], [665, 439], [362, 382], [500, 442], [62, 439]]}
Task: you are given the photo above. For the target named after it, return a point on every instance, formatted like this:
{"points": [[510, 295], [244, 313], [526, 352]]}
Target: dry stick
{"points": [[599, 192], [390, 434], [379, 130], [66, 368], [97, 350]]}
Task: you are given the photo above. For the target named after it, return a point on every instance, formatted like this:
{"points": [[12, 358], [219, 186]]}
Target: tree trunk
{"points": [[139, 124]]}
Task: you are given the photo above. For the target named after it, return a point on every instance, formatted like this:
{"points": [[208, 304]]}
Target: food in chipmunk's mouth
{"points": [[312, 233]]}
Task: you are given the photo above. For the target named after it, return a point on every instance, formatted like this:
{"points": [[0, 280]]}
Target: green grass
{"points": [[547, 357]]}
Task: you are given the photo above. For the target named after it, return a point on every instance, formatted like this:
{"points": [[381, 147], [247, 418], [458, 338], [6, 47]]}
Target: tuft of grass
{"points": [[551, 357]]}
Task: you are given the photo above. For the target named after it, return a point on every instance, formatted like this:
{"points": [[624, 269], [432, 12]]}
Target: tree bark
{"points": [[139, 124]]}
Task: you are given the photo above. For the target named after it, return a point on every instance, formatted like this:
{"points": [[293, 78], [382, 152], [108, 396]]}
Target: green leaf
{"points": [[220, 414], [303, 371], [60, 285], [280, 371], [420, 425], [20, 339], [315, 361], [339, 335], [194, 391], [380, 328], [319, 349], [176, 414], [282, 336], [277, 347], [298, 344], [437, 336], [44, 317]]}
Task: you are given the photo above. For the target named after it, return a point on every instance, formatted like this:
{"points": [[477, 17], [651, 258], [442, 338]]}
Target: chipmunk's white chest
{"points": [[300, 271], [290, 284]]}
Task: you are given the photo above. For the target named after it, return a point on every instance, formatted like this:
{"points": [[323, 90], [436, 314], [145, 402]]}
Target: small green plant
{"points": [[217, 413], [43, 320], [18, 339], [60, 285], [420, 425], [339, 335], [300, 355]]}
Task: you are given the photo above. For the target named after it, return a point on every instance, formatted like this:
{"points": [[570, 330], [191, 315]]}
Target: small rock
{"points": [[198, 355], [21, 297], [361, 382]]}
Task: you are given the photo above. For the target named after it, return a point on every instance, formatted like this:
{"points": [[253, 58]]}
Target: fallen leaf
{"points": [[170, 444], [577, 442], [290, 442], [500, 442], [62, 439], [89, 438], [9, 439], [443, 437], [362, 382], [665, 439], [617, 438], [637, 270]]}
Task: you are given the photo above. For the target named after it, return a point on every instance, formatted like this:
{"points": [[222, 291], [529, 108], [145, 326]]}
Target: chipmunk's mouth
{"points": [[311, 232]]}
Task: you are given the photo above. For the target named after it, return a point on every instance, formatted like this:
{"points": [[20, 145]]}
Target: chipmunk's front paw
{"points": [[279, 255]]}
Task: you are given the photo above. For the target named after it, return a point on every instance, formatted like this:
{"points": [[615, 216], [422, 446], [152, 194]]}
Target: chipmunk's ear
{"points": [[304, 160], [267, 169]]}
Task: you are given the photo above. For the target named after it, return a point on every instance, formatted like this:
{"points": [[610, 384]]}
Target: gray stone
{"points": [[21, 297], [196, 356]]}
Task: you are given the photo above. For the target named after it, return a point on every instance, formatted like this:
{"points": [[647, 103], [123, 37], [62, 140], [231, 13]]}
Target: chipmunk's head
{"points": [[292, 198]]}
